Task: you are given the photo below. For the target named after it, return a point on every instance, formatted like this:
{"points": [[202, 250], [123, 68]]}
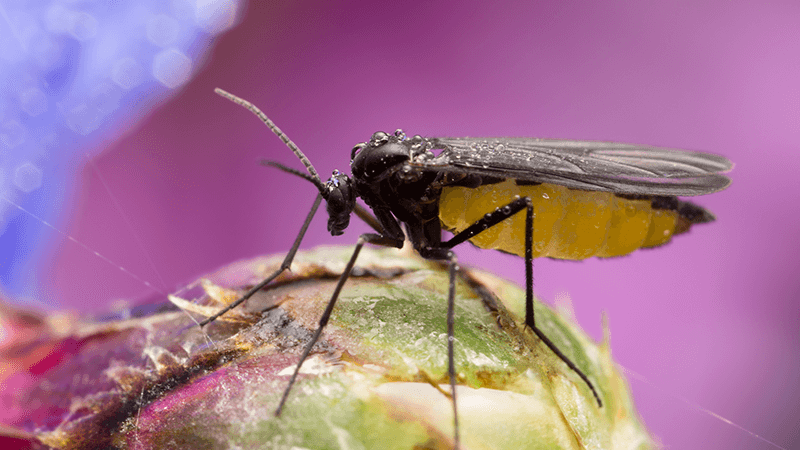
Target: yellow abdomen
{"points": [[568, 223]]}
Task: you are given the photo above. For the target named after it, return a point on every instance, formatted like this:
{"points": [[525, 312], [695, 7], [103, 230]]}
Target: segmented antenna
{"points": [[254, 109]]}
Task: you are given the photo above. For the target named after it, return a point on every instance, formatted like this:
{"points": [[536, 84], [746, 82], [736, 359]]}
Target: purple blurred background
{"points": [[712, 318]]}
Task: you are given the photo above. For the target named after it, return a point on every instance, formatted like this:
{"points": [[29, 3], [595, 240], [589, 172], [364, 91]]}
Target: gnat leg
{"points": [[287, 262], [497, 216], [326, 315], [451, 319]]}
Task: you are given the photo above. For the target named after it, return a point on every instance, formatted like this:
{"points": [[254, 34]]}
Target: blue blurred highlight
{"points": [[72, 74]]}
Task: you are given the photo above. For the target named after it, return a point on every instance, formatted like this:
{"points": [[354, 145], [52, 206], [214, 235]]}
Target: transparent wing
{"points": [[589, 165]]}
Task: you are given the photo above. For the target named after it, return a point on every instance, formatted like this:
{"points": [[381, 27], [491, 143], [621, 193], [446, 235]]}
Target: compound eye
{"points": [[341, 201]]}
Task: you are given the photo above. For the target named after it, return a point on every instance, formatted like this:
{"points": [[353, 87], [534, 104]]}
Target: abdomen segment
{"points": [[568, 223]]}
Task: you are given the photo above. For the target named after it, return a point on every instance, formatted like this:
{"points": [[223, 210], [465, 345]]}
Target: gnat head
{"points": [[338, 191]]}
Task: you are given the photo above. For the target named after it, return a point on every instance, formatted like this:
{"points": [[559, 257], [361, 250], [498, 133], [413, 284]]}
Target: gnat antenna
{"points": [[292, 146]]}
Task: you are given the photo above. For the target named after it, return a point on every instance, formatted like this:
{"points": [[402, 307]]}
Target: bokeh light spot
{"points": [[27, 177], [172, 68]]}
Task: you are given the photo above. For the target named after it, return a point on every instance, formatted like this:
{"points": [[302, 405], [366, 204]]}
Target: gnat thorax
{"points": [[373, 161], [384, 154], [341, 199]]}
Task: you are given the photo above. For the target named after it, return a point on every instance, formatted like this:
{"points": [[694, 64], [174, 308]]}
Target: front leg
{"points": [[287, 262], [376, 239]]}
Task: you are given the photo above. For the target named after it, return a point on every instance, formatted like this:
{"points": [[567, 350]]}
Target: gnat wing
{"points": [[589, 165]]}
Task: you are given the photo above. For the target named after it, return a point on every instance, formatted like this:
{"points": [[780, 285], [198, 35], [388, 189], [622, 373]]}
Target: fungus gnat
{"points": [[579, 198]]}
